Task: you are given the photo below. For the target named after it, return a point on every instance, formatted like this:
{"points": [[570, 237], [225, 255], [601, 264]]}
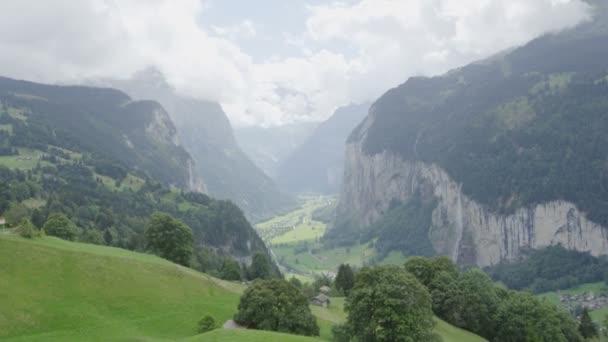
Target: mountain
{"points": [[106, 122], [489, 160], [269, 146], [316, 166], [108, 163], [205, 132]]}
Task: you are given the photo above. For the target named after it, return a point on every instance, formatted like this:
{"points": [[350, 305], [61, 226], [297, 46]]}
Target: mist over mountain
{"points": [[268, 147], [316, 166], [205, 132]]}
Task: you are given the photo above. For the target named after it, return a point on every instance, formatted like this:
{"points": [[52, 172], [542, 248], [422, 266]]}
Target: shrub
{"points": [[26, 229], [206, 324]]}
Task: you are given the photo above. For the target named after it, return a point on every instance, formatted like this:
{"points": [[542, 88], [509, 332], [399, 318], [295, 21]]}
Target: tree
{"points": [[586, 326], [276, 305], [206, 324], [345, 279], [295, 282], [57, 224], [478, 303], [169, 238], [261, 267], [426, 269], [16, 213], [389, 304], [523, 317], [26, 229], [38, 218], [230, 270]]}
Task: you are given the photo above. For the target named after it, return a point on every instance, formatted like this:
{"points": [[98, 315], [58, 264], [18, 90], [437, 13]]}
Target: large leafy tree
{"points": [[523, 317], [345, 279], [60, 226], [276, 305], [169, 238], [389, 304]]}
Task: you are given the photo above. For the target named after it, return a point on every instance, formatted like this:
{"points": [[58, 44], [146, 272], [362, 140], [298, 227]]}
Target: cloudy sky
{"points": [[268, 62]]}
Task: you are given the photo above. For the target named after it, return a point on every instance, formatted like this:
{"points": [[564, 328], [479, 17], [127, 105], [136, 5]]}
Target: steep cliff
{"points": [[460, 227], [510, 151]]}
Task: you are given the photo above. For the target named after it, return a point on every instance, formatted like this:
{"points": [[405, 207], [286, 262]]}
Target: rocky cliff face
{"points": [[507, 152], [461, 228]]}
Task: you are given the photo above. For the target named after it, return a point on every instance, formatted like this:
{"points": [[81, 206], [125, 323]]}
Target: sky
{"points": [[268, 62]]}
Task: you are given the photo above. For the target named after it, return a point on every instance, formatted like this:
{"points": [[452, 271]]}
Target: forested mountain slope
{"points": [[498, 156], [205, 132], [107, 163], [104, 122]]}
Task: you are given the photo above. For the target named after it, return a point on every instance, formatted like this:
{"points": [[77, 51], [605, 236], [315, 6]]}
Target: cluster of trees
{"points": [[392, 303], [550, 268], [470, 300]]}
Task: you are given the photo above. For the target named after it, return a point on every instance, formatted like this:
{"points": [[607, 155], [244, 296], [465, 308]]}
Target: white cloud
{"points": [[244, 30], [347, 52]]}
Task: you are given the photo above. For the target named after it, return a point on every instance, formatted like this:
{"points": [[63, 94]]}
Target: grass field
{"points": [[54, 290], [222, 335], [7, 127], [27, 159]]}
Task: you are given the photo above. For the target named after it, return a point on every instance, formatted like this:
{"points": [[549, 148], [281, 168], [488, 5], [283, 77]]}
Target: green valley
{"points": [[295, 240]]}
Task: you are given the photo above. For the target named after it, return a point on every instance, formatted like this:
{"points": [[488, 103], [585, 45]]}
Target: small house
{"points": [[325, 290], [2, 222], [321, 300]]}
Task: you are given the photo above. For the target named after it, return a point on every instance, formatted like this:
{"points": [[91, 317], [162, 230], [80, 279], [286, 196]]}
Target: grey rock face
{"points": [[461, 228]]}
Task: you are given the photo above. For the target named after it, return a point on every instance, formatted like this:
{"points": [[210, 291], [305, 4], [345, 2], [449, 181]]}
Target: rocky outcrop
{"points": [[461, 228]]}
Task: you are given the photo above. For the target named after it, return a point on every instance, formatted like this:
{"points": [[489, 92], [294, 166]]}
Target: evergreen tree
{"points": [[586, 326], [345, 279], [261, 267]]}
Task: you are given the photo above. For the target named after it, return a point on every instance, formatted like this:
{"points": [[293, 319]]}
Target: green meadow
{"points": [[55, 290]]}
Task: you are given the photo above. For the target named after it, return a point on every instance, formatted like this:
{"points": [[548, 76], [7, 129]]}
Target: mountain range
{"points": [[486, 161]]}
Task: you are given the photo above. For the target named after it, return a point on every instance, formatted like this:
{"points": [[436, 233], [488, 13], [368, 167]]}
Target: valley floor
{"points": [[294, 241]]}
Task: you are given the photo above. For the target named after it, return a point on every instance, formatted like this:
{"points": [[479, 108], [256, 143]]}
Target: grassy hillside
{"points": [[222, 335], [54, 290]]}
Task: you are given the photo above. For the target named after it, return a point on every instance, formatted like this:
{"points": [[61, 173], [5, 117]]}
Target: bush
{"points": [[206, 324], [60, 226], [26, 229]]}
